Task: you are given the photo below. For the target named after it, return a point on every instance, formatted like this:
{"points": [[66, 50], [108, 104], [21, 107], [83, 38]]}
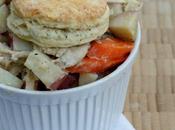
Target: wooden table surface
{"points": [[150, 104]]}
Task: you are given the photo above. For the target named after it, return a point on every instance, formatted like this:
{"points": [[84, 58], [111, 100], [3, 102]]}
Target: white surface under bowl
{"points": [[96, 106], [123, 124]]}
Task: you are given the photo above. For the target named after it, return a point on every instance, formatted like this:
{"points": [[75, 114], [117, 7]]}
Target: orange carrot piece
{"points": [[109, 48], [103, 55], [90, 65]]}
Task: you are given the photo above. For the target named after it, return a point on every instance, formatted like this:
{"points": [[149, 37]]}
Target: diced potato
{"points": [[86, 78], [9, 79], [21, 45], [124, 18], [115, 9], [2, 2], [3, 18], [119, 6], [42, 66], [124, 26], [133, 5]]}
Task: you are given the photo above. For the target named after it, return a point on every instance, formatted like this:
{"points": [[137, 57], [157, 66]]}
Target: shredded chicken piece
{"points": [[66, 57], [72, 56], [15, 55], [57, 52], [5, 61]]}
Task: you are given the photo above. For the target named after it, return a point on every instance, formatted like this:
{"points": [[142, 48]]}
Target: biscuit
{"points": [[50, 34]]}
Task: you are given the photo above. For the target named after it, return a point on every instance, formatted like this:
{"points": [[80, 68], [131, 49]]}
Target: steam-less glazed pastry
{"points": [[61, 44], [59, 23]]}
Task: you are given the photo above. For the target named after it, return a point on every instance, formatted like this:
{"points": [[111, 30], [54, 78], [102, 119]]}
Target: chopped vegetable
{"points": [[124, 17], [127, 5], [86, 78], [133, 5], [9, 79], [115, 8], [103, 55], [3, 17], [91, 65], [124, 26], [21, 45], [42, 66], [109, 49]]}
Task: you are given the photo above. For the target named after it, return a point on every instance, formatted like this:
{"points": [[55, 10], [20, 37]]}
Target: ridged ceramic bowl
{"points": [[96, 106]]}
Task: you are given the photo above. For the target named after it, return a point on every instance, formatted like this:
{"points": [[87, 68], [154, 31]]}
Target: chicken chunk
{"points": [[66, 57]]}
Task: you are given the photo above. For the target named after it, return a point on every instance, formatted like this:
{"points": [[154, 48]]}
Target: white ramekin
{"points": [[96, 106]]}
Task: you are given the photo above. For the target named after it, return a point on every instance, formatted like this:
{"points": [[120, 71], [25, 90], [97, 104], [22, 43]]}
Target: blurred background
{"points": [[150, 104]]}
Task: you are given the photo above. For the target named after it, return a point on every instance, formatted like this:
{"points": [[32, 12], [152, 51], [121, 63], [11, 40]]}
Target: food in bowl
{"points": [[54, 45]]}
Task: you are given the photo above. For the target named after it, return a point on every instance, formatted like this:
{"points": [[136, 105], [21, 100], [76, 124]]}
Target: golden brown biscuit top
{"points": [[60, 10]]}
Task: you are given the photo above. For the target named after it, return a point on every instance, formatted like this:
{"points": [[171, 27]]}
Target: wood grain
{"points": [[150, 104]]}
